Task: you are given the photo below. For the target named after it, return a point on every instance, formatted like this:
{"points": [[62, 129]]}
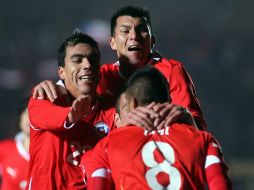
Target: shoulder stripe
{"points": [[210, 160], [102, 172]]}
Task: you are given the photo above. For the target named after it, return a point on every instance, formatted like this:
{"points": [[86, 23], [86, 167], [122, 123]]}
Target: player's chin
{"points": [[88, 89], [136, 62]]}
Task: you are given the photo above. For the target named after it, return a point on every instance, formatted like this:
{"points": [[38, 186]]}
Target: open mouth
{"points": [[134, 48], [86, 78]]}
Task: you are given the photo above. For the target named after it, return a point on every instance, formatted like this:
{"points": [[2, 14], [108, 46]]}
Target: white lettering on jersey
{"points": [[164, 131]]}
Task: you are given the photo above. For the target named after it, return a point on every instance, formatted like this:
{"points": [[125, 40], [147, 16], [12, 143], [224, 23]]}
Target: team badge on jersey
{"points": [[101, 128]]}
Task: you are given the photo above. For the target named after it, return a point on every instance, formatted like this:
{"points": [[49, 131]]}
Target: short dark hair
{"points": [[148, 85], [77, 37], [132, 11]]}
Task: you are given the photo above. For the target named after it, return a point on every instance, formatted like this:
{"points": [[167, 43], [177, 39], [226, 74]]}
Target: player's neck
{"points": [[26, 141], [126, 70]]}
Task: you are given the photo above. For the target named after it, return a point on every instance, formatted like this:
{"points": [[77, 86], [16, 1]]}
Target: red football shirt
{"points": [[55, 149], [14, 161], [181, 87], [177, 157]]}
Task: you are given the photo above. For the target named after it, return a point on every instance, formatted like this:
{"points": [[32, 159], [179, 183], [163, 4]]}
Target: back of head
{"points": [[132, 11], [148, 85], [77, 37]]}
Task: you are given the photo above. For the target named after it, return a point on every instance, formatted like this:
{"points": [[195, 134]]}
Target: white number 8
{"points": [[166, 166]]}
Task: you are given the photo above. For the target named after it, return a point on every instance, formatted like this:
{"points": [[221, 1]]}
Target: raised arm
{"points": [[44, 114]]}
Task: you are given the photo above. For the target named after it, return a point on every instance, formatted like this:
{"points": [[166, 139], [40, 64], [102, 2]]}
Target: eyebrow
{"points": [[77, 56], [125, 26]]}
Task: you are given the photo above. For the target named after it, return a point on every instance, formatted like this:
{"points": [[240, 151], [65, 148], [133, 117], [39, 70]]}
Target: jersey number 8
{"points": [[166, 166]]}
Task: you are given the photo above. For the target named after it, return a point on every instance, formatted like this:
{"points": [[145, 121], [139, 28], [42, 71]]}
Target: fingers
{"points": [[137, 120], [163, 110], [141, 116], [82, 104], [80, 107], [180, 114], [148, 111], [45, 89], [172, 116], [50, 89], [170, 113], [151, 105]]}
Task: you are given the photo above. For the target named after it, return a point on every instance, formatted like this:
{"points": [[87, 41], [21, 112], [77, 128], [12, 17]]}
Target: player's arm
{"points": [[216, 169], [44, 114], [96, 169], [183, 93]]}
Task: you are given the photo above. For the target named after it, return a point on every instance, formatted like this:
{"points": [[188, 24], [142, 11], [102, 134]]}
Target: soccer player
{"points": [[63, 131], [14, 156], [177, 157], [133, 41]]}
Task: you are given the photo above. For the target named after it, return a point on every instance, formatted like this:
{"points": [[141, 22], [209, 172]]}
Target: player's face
{"points": [[24, 122], [132, 40], [81, 70]]}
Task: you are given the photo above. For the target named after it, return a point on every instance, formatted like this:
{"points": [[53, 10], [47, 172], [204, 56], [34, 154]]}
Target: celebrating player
{"points": [[177, 157], [133, 41], [63, 131]]}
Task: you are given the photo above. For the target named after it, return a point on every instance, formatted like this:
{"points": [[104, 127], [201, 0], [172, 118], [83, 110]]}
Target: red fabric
{"points": [[181, 87], [56, 151], [98, 183], [179, 157], [217, 178], [13, 165]]}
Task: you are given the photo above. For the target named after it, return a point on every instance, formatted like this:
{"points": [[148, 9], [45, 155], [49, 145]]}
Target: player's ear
{"points": [[133, 103], [112, 43], [61, 73], [117, 120]]}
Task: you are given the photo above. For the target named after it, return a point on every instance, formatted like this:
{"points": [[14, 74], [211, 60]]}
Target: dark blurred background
{"points": [[214, 40]]}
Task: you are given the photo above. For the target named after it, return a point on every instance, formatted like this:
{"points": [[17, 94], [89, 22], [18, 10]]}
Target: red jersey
{"points": [[55, 149], [14, 161], [182, 90], [177, 157]]}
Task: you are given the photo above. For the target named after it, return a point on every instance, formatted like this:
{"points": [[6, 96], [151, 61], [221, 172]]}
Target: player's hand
{"points": [[170, 113], [48, 89], [81, 106], [142, 117]]}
